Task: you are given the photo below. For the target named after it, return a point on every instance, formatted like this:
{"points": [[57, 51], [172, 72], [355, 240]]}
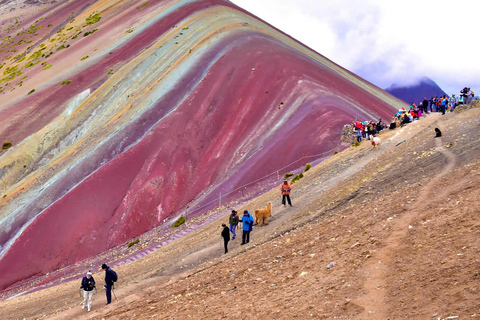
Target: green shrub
{"points": [[93, 18], [288, 175], [6, 145], [179, 222], [296, 178], [132, 243], [143, 5], [66, 82], [48, 66], [307, 167], [90, 32], [335, 152], [31, 91]]}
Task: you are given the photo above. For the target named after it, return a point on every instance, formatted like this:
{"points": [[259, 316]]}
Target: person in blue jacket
{"points": [[247, 222], [110, 278]]}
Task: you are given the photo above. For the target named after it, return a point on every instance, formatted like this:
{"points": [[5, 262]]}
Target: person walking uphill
{"points": [[88, 284], [233, 223], [225, 236], [286, 193], [110, 278], [247, 221]]}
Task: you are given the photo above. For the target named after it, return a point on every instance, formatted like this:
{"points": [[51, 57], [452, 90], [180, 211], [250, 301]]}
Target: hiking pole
{"points": [[113, 290]]}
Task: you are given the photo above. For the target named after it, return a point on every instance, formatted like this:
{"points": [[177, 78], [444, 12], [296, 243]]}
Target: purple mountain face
{"points": [[426, 87]]}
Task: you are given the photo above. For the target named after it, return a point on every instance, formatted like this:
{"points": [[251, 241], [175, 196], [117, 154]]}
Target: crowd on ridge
{"points": [[368, 129]]}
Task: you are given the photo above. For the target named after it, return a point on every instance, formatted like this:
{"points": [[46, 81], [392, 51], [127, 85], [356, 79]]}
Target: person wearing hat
{"points": [[247, 225], [226, 236], [110, 278], [233, 223], [88, 284], [286, 193]]}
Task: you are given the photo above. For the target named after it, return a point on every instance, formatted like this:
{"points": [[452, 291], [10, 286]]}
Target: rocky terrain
{"points": [[398, 227]]}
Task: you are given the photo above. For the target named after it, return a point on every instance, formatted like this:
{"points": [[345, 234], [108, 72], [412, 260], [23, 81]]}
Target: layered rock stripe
{"points": [[148, 107]]}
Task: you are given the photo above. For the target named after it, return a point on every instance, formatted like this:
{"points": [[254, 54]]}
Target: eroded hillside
{"points": [[401, 224]]}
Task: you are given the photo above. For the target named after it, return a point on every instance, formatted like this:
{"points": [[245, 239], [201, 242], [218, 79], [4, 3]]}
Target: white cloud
{"points": [[385, 41]]}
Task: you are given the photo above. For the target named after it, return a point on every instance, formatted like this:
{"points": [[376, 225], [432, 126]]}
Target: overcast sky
{"points": [[386, 41]]}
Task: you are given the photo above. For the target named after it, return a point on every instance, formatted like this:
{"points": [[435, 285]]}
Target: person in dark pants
{"points": [[425, 105], [233, 223], [110, 278], [225, 236], [286, 192], [247, 222]]}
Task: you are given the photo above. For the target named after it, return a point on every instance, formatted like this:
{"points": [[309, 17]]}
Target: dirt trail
{"points": [[203, 249], [381, 264]]}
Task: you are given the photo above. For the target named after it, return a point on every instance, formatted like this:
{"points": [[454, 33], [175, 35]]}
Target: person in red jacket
{"points": [[286, 193]]}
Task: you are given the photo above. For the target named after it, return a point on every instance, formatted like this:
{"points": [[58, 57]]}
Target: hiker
{"points": [[110, 278], [88, 284], [286, 193], [247, 222], [453, 102], [425, 105], [226, 236], [444, 104], [233, 223]]}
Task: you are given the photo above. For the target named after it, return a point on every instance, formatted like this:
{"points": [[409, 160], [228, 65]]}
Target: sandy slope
{"points": [[400, 223]]}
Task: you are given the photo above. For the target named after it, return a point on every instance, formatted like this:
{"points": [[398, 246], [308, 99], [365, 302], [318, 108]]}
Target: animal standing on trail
{"points": [[376, 142], [261, 215], [438, 133]]}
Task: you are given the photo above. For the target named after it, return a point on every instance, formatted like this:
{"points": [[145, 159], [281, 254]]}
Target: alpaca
{"points": [[376, 142], [261, 215]]}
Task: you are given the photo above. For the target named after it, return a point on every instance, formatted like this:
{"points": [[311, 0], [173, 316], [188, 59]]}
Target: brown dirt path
{"points": [[381, 265]]}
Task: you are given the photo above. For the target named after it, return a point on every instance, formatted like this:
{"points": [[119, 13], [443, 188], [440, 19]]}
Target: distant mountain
{"points": [[426, 87]]}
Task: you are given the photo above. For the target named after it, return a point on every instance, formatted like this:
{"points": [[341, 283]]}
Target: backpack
{"points": [[114, 276]]}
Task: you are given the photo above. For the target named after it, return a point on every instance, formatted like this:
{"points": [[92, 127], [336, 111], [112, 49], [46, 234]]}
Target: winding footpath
{"points": [[382, 262]]}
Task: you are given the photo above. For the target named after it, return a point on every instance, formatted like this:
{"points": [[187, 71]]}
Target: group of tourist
{"points": [[367, 129]]}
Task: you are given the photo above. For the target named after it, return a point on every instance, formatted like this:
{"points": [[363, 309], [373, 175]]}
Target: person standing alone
{"points": [[225, 236], [88, 284], [286, 193], [233, 223], [110, 278]]}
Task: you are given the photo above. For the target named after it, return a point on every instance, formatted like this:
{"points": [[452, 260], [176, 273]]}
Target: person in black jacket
{"points": [[110, 278], [88, 284], [225, 236]]}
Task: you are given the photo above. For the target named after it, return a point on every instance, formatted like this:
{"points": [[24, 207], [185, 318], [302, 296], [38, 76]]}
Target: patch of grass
{"points": [[288, 175], [110, 72], [64, 82], [143, 5], [63, 47], [129, 31], [30, 92], [308, 167], [86, 57], [89, 32], [6, 145], [179, 222], [93, 18], [132, 243], [296, 178], [48, 66], [31, 63]]}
